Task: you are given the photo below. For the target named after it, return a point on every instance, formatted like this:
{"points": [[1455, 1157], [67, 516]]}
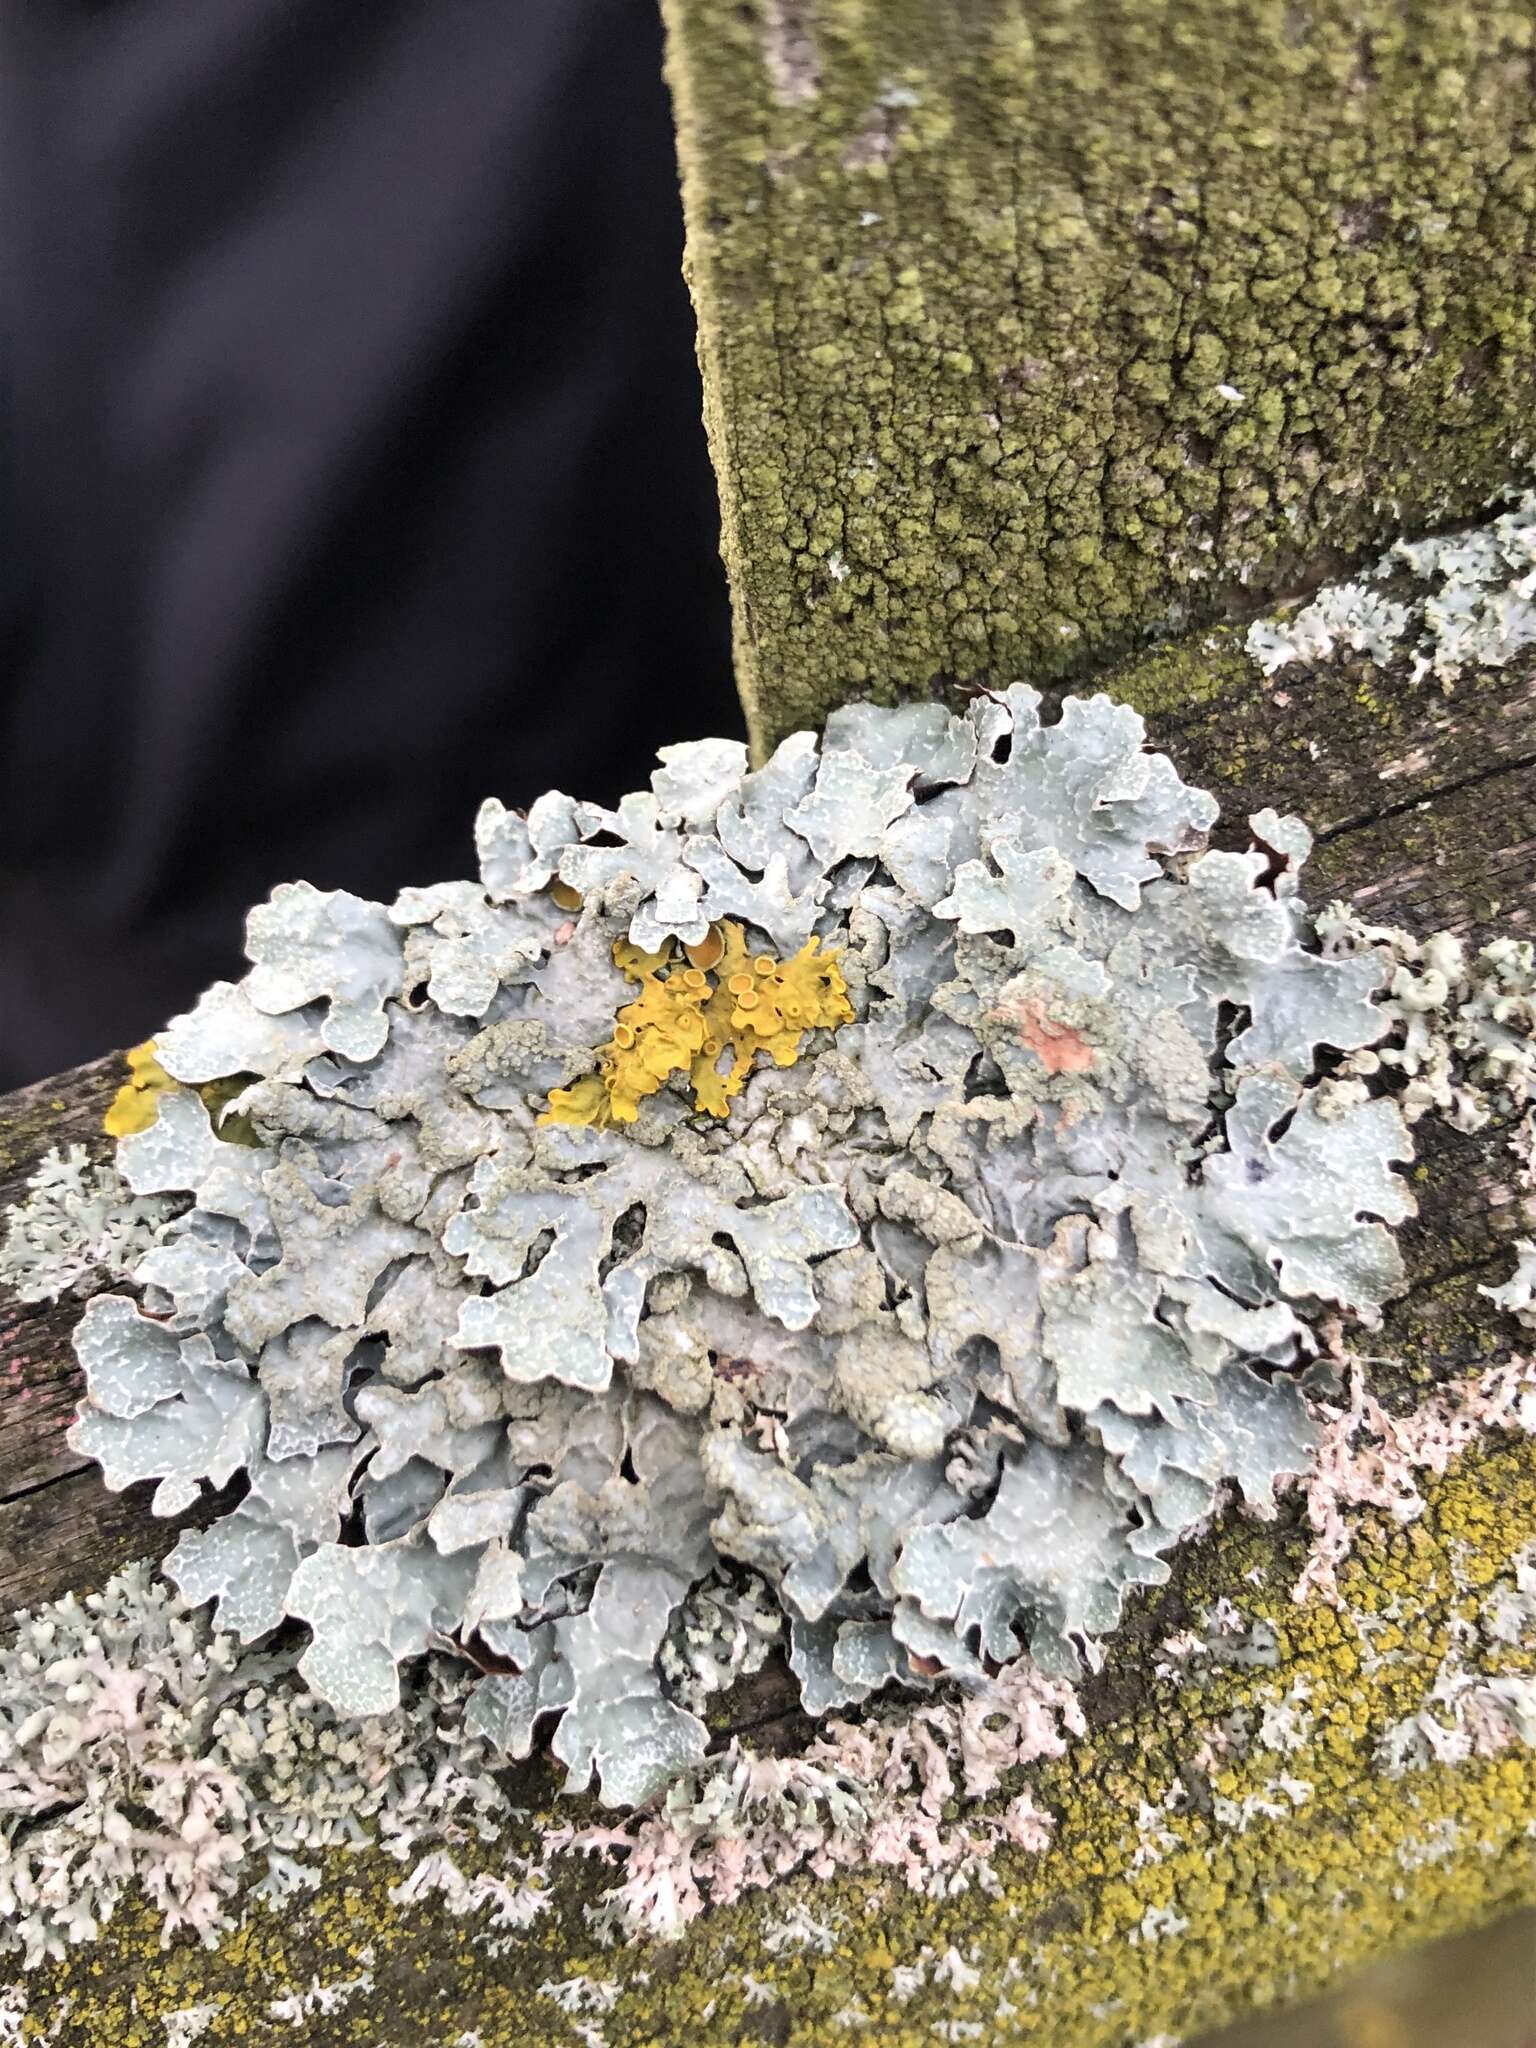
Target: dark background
{"points": [[354, 467]]}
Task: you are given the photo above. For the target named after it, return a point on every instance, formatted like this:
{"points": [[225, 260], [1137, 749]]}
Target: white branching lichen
{"points": [[1459, 1036], [1517, 1294], [192, 2023], [79, 1226], [898, 1790], [1471, 1711], [1476, 607], [923, 1241], [138, 1746], [299, 2007], [510, 1902]]}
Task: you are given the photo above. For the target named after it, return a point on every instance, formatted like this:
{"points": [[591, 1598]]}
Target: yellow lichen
{"points": [[689, 1020], [137, 1103]]}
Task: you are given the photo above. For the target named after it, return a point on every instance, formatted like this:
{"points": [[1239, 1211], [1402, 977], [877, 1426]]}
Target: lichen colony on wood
{"points": [[939, 1337]]}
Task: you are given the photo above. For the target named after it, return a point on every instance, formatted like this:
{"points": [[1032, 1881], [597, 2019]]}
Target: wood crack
{"points": [[1505, 764], [37, 1486]]}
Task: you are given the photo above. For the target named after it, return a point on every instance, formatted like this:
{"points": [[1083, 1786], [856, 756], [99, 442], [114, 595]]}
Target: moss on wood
{"points": [[1029, 329]]}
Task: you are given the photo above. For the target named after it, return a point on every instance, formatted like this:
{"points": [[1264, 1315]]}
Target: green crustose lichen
{"points": [[1025, 330]]}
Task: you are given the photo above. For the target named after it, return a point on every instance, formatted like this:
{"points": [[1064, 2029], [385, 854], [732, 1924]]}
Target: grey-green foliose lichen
{"points": [[941, 1327], [1028, 329]]}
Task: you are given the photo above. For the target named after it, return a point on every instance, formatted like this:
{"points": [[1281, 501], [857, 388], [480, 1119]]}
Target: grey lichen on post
{"points": [[1027, 330], [1371, 1702], [935, 1277]]}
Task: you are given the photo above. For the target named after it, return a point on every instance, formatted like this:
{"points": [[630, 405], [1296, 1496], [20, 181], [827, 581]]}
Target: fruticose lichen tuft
{"points": [[532, 1321], [78, 1226], [139, 1746]]}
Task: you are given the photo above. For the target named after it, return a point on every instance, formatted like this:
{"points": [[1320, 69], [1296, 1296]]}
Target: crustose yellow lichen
{"points": [[696, 1006], [137, 1103]]}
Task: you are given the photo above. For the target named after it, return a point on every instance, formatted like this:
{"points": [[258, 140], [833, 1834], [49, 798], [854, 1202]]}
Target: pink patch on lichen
{"points": [[1058, 1047]]}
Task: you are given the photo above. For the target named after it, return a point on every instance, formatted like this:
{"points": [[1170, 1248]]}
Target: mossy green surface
{"points": [[1029, 330], [1066, 1955]]}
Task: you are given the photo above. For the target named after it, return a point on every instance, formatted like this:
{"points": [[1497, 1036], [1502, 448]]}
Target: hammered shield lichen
{"points": [[540, 1306]]}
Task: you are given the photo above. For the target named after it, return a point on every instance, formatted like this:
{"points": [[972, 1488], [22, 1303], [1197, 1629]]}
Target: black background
{"points": [[354, 468]]}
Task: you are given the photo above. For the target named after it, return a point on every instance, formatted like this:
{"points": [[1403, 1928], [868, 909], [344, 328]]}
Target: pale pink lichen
{"points": [[871, 1794], [1059, 1048], [1368, 1458]]}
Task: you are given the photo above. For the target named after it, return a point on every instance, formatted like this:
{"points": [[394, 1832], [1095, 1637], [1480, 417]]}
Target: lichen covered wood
{"points": [[1028, 329], [960, 1316], [1349, 739]]}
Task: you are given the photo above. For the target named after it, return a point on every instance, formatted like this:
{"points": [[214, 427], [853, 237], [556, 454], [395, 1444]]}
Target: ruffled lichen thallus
{"points": [[893, 1187]]}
